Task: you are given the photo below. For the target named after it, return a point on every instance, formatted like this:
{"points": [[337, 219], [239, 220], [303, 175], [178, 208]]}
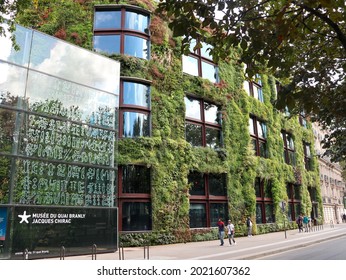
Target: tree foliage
{"points": [[301, 42]]}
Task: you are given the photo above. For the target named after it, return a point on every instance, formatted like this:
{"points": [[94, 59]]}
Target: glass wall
{"points": [[58, 131]]}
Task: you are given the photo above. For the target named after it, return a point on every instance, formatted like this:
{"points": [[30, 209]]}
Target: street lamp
{"points": [[283, 206]]}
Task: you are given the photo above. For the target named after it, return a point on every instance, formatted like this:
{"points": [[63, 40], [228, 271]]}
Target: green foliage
{"points": [[166, 151]]}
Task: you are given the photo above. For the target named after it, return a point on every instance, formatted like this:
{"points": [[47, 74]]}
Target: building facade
{"points": [[197, 140], [332, 184]]}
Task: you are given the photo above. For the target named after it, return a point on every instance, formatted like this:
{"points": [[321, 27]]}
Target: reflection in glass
{"points": [[205, 51], [190, 65], [262, 149], [212, 138], [136, 21], [107, 19], [135, 179], [135, 124], [108, 44], [12, 84], [217, 210], [193, 108], [5, 177], [136, 216], [217, 184], [198, 216], [269, 210], [136, 94], [259, 219], [251, 126], [211, 113], [262, 129], [136, 46], [193, 134], [23, 40], [209, 71], [196, 180]]}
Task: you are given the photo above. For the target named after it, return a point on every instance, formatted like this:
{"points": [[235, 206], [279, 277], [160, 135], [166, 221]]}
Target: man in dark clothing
{"points": [[221, 226]]}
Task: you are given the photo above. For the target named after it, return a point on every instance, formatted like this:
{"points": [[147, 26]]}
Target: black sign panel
{"points": [[42, 232]]}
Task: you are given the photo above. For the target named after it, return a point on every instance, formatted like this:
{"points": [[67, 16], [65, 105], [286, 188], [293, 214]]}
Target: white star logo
{"points": [[24, 217]]}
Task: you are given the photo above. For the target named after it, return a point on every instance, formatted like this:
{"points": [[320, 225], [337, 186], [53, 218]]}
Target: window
{"points": [[313, 197], [134, 198], [258, 132], [200, 63], [208, 199], [293, 194], [122, 29], [289, 152], [264, 202], [203, 123], [134, 117], [254, 88], [307, 156]]}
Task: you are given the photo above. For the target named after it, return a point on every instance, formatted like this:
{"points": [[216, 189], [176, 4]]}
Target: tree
{"points": [[301, 42]]}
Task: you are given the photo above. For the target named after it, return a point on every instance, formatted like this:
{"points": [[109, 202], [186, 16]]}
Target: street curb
{"points": [[289, 248]]}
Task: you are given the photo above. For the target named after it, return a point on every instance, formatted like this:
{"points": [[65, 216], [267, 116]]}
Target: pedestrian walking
{"points": [[300, 223], [249, 226], [305, 223], [221, 228], [230, 232]]}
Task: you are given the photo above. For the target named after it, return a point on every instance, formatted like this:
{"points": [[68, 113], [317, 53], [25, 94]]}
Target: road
{"points": [[334, 249]]}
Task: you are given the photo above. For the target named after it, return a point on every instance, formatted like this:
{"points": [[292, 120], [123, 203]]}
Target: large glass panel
{"points": [[193, 134], [12, 84], [198, 216], [136, 46], [190, 65], [135, 179], [5, 178], [213, 137], [23, 40], [192, 108], [196, 180], [209, 71], [217, 184], [69, 62], [107, 19], [217, 211], [269, 209], [9, 130], [211, 114], [108, 44], [136, 216], [62, 98], [297, 209], [136, 94], [290, 143], [136, 21], [292, 158], [135, 124], [62, 184]]}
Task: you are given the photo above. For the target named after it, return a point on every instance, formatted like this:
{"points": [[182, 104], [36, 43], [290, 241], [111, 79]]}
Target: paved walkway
{"points": [[246, 248]]}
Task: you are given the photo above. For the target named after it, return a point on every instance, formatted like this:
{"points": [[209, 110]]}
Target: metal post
{"points": [[26, 254], [93, 252], [146, 252], [62, 253], [121, 253]]}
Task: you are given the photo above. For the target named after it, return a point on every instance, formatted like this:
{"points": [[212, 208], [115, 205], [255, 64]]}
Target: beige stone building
{"points": [[332, 183]]}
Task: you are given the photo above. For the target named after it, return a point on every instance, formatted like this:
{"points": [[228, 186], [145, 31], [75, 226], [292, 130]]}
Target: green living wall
{"points": [[167, 153]]}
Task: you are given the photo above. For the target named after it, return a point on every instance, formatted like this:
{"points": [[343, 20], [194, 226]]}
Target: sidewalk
{"points": [[245, 249]]}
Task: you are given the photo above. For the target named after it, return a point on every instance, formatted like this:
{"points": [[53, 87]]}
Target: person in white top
{"points": [[230, 232]]}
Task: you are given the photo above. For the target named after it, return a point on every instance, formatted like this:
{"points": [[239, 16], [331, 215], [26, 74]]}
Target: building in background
{"points": [[332, 184]]}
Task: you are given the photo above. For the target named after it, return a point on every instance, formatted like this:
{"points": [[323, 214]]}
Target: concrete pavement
{"points": [[246, 248]]}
